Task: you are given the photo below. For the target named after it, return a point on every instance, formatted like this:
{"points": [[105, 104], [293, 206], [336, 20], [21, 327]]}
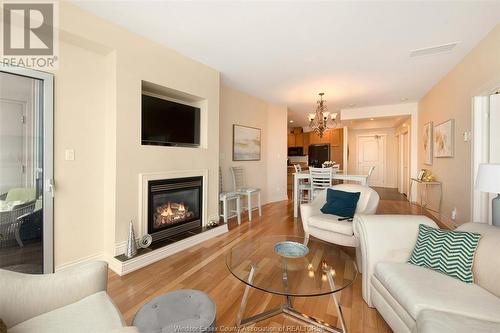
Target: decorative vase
{"points": [[131, 250]]}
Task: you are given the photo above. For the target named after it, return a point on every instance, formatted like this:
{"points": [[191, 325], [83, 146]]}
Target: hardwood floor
{"points": [[203, 267]]}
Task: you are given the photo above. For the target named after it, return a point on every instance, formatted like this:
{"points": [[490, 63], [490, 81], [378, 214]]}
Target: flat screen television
{"points": [[167, 123]]}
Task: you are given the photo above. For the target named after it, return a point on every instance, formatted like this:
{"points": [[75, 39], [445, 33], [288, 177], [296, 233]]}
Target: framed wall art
{"points": [[444, 139], [427, 143], [246, 143]]}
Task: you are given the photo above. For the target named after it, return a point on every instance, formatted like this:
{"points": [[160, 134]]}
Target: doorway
{"points": [[486, 127], [371, 152], [404, 163], [26, 170]]}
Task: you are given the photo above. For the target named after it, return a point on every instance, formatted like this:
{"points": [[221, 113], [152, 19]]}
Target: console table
{"points": [[425, 203]]}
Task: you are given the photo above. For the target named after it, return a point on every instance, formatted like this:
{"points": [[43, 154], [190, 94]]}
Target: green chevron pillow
{"points": [[446, 251]]}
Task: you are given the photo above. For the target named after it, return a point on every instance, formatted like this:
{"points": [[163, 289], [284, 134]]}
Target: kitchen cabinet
{"points": [[299, 140], [333, 137]]}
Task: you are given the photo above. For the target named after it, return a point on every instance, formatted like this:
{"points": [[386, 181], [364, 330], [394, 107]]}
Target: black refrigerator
{"points": [[318, 154]]}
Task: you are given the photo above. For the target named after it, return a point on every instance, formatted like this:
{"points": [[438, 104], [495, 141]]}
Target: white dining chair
{"points": [[240, 186], [370, 172], [304, 186], [336, 169], [321, 179], [225, 197]]}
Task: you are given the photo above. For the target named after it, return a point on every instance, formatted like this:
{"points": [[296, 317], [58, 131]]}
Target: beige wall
{"points": [[79, 124], [268, 174], [277, 151], [97, 113], [451, 98]]}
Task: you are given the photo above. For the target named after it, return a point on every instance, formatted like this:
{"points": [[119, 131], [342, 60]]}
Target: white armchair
{"points": [[72, 300], [327, 227]]}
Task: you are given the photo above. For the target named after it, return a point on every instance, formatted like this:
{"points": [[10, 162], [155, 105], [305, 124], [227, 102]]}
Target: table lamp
{"points": [[488, 180]]}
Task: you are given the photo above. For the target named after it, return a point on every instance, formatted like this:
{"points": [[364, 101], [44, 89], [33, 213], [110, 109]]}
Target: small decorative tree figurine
{"points": [[131, 250]]}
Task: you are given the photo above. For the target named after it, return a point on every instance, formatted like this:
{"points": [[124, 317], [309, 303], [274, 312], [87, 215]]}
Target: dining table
{"points": [[339, 175]]}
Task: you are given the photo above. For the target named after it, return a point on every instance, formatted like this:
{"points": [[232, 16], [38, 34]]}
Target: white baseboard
{"points": [[285, 198], [383, 185], [93, 257], [125, 267]]}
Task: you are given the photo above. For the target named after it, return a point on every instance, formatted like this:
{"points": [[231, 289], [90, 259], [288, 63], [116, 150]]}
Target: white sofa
{"points": [[327, 227], [417, 299], [69, 301]]}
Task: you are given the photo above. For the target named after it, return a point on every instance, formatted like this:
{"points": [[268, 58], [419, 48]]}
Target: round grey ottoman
{"points": [[180, 311]]}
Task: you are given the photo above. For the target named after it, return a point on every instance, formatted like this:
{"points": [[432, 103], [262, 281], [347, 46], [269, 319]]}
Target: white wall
{"points": [[268, 174]]}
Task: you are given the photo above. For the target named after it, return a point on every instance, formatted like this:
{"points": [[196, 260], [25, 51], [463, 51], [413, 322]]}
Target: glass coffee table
{"points": [[291, 266]]}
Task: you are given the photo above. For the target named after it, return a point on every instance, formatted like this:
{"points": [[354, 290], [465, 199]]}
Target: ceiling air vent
{"points": [[433, 50]]}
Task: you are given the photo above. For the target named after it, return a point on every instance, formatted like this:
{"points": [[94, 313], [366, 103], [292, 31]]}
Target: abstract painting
{"points": [[427, 143], [444, 139], [246, 143]]}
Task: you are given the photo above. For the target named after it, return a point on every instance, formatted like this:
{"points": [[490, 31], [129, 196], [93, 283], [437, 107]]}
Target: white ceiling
{"points": [[287, 52]]}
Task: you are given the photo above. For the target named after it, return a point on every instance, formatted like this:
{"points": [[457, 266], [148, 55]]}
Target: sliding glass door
{"points": [[26, 170]]}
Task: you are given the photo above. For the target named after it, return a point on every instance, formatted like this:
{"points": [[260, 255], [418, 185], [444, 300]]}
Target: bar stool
{"points": [[225, 197], [240, 187]]}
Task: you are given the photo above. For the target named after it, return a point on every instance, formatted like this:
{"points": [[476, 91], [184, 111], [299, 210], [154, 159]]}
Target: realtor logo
{"points": [[30, 35]]}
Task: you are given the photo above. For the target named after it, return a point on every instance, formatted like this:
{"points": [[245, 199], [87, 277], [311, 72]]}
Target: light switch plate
{"points": [[69, 155]]}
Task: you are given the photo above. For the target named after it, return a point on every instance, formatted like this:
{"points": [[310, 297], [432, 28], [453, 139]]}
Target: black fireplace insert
{"points": [[174, 206]]}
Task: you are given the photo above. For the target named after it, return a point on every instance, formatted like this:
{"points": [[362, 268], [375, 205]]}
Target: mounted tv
{"points": [[168, 123]]}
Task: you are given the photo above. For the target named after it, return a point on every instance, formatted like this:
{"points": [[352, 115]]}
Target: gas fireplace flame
{"points": [[167, 211], [170, 213]]}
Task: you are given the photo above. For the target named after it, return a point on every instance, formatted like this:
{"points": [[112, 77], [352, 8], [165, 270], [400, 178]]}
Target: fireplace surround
{"points": [[169, 246]]}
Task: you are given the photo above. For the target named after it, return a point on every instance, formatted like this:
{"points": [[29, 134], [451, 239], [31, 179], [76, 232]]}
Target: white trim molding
{"points": [[92, 257]]}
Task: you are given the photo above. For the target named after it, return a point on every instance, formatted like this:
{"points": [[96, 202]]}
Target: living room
{"points": [[144, 139]]}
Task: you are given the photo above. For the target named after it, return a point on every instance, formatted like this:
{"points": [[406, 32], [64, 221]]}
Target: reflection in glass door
{"points": [[26, 171]]}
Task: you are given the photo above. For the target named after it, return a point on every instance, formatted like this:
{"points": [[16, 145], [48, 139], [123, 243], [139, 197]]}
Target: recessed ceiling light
{"points": [[433, 50], [291, 121], [372, 119]]}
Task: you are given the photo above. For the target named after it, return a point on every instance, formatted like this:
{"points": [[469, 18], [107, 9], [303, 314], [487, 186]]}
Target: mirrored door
{"points": [[26, 171]]}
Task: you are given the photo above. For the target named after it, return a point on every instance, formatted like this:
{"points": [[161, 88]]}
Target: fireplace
{"points": [[174, 206]]}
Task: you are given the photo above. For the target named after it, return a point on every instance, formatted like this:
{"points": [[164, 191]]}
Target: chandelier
{"points": [[322, 120]]}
